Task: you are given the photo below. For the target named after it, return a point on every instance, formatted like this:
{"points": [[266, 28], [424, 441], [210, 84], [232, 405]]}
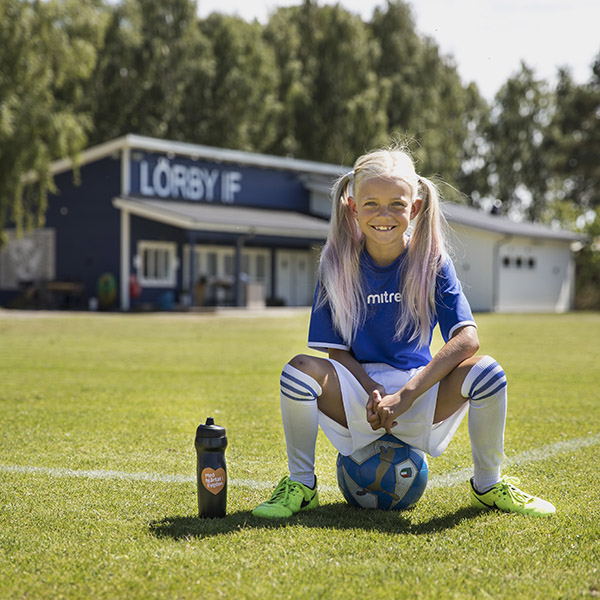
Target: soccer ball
{"points": [[387, 474]]}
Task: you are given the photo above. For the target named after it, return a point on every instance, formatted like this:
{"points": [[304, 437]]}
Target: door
{"points": [[294, 277]]}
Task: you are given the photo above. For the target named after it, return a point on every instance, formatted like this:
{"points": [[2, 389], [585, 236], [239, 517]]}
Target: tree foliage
{"points": [[518, 164], [326, 59], [49, 50], [576, 145], [238, 105], [146, 67], [427, 100], [587, 265]]}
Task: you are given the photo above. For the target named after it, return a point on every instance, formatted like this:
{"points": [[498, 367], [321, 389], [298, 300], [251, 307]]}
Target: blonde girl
{"points": [[385, 282]]}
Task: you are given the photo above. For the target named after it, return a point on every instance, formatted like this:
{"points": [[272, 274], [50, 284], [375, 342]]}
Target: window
{"points": [[28, 258], [156, 264], [211, 264], [229, 265], [216, 264], [519, 262], [261, 267]]}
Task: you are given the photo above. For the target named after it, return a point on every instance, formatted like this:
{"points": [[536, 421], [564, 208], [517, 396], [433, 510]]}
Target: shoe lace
{"points": [[282, 491], [509, 486]]}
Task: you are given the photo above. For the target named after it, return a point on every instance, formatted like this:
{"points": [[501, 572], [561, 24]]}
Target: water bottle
{"points": [[211, 442]]}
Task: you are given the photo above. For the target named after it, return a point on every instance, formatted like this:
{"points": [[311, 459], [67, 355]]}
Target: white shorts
{"points": [[415, 426]]}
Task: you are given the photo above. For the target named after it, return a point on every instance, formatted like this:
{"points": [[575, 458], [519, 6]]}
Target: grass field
{"points": [[97, 469]]}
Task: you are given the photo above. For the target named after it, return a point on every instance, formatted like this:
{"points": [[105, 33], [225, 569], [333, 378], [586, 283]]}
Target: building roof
{"points": [[226, 219], [472, 217], [198, 151]]}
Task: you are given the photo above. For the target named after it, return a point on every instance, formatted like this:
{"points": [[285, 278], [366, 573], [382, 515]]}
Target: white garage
{"points": [[508, 266]]}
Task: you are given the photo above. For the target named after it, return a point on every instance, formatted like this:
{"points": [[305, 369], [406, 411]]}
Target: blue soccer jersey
{"points": [[374, 341]]}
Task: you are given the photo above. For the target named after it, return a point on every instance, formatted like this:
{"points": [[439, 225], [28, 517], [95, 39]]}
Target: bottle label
{"points": [[214, 481]]}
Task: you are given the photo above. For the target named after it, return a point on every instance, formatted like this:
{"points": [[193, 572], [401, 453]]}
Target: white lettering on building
{"points": [[384, 298], [167, 180], [230, 185]]}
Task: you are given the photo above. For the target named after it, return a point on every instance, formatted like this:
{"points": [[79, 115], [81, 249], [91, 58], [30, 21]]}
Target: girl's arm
{"points": [[383, 410]]}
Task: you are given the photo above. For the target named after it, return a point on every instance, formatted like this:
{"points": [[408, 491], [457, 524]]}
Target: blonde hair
{"points": [[339, 270]]}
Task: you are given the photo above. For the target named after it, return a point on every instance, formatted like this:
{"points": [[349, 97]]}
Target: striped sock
{"points": [[300, 415], [485, 386], [484, 380]]}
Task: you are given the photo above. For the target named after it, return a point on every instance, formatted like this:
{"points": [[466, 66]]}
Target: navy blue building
{"points": [[164, 222]]}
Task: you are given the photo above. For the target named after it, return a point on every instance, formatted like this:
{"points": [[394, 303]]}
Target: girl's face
{"points": [[384, 209]]}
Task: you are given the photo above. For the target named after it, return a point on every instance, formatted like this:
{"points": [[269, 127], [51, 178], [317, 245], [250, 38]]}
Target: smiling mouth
{"points": [[383, 227]]}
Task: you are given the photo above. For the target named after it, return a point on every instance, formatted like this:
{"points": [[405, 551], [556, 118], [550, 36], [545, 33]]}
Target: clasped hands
{"points": [[383, 408]]}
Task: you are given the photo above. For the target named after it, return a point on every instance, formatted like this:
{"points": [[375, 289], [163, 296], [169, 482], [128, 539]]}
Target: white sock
{"points": [[485, 386], [300, 415]]}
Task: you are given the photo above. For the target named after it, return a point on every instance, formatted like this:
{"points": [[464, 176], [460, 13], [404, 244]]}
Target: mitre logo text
{"points": [[384, 298]]}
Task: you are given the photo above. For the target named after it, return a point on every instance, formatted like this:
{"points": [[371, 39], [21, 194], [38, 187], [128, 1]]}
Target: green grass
{"points": [[124, 393]]}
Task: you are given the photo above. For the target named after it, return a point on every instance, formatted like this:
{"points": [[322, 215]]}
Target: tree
{"points": [[574, 148], [334, 106], [471, 180], [587, 265], [576, 139], [518, 164], [151, 52], [237, 106], [394, 29], [428, 106], [49, 50]]}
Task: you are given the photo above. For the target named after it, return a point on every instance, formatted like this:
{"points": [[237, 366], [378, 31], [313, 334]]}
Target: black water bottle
{"points": [[211, 442]]}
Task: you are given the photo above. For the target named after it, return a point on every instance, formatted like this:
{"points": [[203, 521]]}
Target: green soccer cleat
{"points": [[288, 498], [505, 496]]}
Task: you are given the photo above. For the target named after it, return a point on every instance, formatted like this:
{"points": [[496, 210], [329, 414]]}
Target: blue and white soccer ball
{"points": [[387, 474]]}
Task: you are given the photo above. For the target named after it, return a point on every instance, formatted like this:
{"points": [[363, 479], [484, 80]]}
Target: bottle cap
{"points": [[214, 434]]}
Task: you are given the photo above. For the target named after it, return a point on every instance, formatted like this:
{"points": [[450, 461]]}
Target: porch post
{"points": [[125, 259], [192, 272], [237, 283]]}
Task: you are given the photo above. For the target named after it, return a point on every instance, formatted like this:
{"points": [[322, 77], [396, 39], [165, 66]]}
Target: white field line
{"points": [[529, 456], [97, 474], [436, 481]]}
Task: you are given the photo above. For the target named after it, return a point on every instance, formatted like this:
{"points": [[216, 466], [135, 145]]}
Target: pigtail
{"points": [[426, 253], [339, 268]]}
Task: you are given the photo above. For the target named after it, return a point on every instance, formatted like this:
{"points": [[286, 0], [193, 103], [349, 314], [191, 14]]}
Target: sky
{"points": [[487, 38]]}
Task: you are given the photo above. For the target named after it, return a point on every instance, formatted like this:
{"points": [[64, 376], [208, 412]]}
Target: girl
{"points": [[381, 292]]}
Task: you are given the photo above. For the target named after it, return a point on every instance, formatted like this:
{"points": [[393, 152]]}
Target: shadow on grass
{"points": [[331, 516]]}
